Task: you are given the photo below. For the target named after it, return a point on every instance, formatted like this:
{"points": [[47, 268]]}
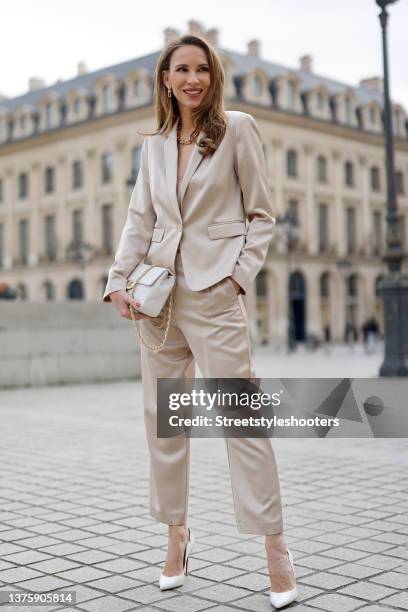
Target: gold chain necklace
{"points": [[187, 141]]}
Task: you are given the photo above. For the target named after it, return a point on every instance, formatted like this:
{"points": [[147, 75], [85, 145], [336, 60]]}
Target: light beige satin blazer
{"points": [[224, 222]]}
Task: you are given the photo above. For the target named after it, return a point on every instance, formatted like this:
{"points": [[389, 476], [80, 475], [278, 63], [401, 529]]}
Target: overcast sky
{"points": [[47, 38]]}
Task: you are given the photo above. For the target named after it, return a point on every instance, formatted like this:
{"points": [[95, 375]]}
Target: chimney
{"points": [[35, 83], [372, 84], [196, 28], [306, 63], [212, 37], [254, 47], [170, 34], [82, 68]]}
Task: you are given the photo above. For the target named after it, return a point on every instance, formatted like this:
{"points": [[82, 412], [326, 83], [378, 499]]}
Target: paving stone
{"points": [[367, 590], [355, 571], [45, 583], [17, 574], [335, 603], [107, 604], [326, 581], [394, 580], [399, 600], [53, 565], [83, 574], [218, 573]]}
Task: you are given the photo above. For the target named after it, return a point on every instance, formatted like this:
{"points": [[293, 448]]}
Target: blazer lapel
{"points": [[193, 163], [171, 162]]}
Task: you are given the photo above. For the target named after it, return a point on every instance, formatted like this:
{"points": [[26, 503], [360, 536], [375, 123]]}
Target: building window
{"points": [[1, 191], [396, 123], [22, 123], [291, 163], [77, 174], [257, 85], [1, 245], [399, 182], [50, 237], [77, 227], [377, 232], [75, 290], [351, 230], [49, 179], [136, 159], [22, 185], [371, 115], [106, 97], [49, 291], [324, 285], [107, 228], [323, 227], [321, 169], [375, 178], [349, 174], [48, 115], [107, 168], [352, 286], [23, 241]]}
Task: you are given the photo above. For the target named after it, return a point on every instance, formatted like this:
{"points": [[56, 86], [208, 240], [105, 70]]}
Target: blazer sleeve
{"points": [[250, 167], [137, 231]]}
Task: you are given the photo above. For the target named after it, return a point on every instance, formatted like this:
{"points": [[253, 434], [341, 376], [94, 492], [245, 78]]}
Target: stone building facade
{"points": [[70, 153]]}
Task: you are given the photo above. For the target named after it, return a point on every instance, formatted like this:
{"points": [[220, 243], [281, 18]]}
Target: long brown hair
{"points": [[210, 115]]}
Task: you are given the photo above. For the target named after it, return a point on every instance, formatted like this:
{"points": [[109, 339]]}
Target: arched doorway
{"points": [[75, 290], [297, 305]]}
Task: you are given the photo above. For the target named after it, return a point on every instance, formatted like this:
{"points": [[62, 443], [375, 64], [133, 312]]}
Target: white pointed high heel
{"points": [[171, 582], [279, 600]]}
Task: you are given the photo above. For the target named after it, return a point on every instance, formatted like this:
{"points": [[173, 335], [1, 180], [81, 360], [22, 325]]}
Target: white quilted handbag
{"points": [[152, 286]]}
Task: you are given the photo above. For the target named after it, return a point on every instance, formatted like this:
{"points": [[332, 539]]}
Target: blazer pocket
{"points": [[226, 229], [157, 234]]}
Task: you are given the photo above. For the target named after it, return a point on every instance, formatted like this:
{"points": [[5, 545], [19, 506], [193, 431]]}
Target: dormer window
{"points": [[257, 85], [106, 98], [347, 110], [290, 94], [48, 115]]}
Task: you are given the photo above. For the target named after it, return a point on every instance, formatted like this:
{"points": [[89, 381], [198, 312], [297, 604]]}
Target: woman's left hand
{"points": [[236, 285]]}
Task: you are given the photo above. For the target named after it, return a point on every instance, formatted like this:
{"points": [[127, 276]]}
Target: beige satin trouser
{"points": [[210, 327]]}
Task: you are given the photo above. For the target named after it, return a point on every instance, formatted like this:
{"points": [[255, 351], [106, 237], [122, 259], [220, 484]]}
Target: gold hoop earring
{"points": [[169, 93]]}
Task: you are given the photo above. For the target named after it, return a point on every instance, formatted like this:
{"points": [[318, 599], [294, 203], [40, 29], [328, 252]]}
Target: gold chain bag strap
{"points": [[152, 286]]}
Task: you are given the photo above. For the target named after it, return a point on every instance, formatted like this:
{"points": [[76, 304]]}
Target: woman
{"points": [[201, 208]]}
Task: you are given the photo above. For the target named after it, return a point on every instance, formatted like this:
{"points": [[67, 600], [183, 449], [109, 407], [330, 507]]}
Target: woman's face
{"points": [[189, 75]]}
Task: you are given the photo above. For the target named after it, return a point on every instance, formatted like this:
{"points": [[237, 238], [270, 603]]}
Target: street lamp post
{"points": [[394, 287]]}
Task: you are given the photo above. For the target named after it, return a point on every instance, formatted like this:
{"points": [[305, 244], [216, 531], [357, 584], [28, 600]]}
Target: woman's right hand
{"points": [[121, 300]]}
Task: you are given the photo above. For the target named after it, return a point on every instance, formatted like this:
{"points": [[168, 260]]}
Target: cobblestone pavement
{"points": [[74, 515]]}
